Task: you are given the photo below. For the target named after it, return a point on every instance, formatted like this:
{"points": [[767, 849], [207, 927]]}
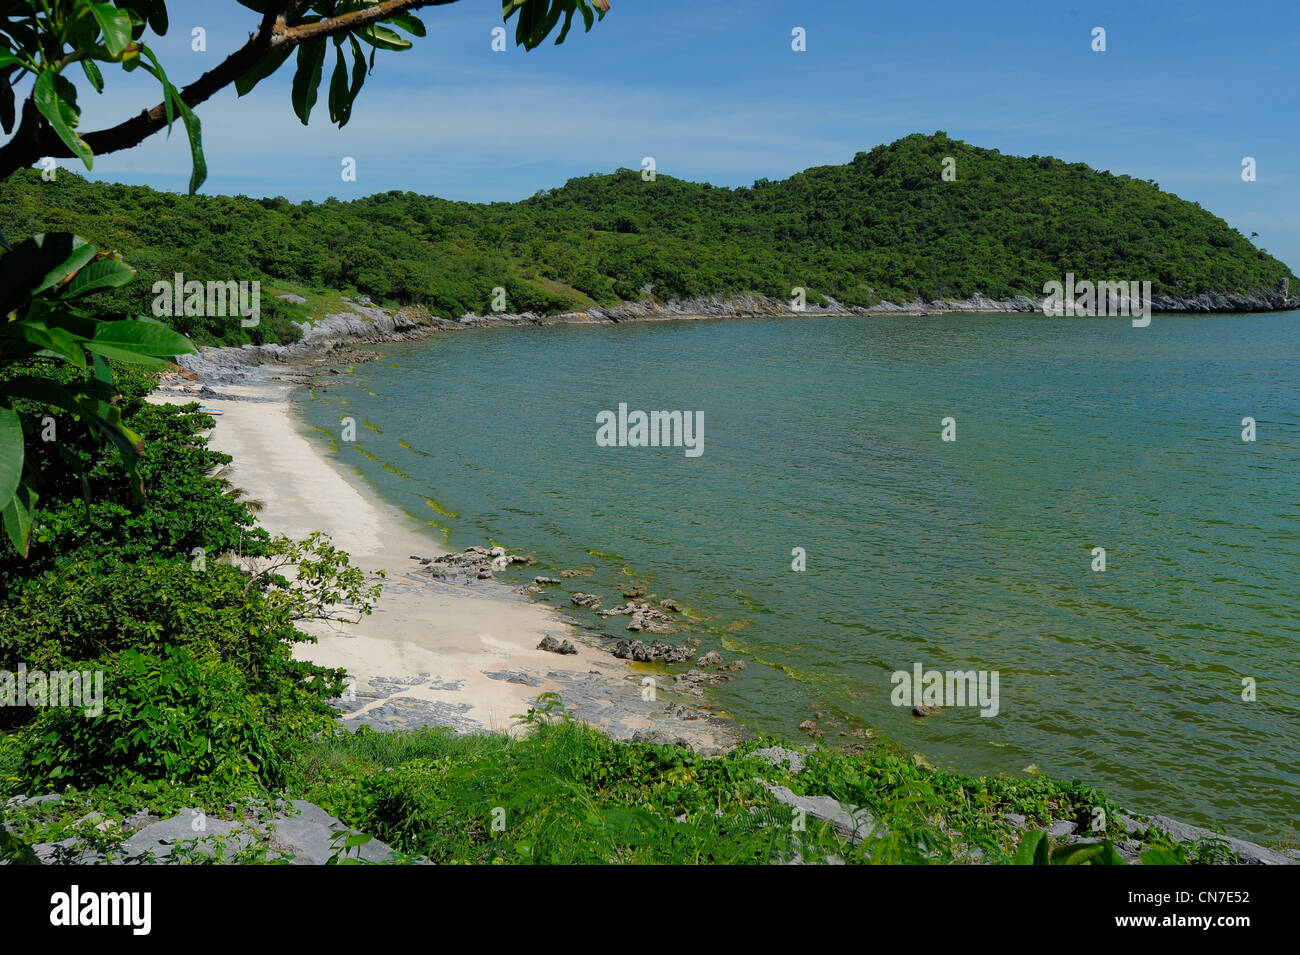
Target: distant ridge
{"points": [[885, 228]]}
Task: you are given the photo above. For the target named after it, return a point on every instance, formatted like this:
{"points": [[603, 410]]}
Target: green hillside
{"points": [[884, 227]]}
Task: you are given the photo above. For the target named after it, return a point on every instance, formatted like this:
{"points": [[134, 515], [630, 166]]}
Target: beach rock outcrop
{"points": [[556, 646], [665, 653], [473, 563], [644, 618]]}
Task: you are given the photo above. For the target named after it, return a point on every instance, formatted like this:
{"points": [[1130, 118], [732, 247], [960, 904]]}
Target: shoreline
{"points": [[299, 364], [433, 653], [340, 337]]}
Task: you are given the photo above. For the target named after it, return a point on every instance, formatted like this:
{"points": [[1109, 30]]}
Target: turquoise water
{"points": [[974, 554]]}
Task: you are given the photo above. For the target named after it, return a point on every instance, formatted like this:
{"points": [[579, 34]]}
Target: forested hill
{"points": [[884, 227]]}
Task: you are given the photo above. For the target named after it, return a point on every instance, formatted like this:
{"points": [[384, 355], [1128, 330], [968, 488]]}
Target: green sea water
{"points": [[825, 434]]}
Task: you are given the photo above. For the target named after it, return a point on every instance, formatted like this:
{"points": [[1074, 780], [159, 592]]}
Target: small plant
{"points": [[345, 842]]}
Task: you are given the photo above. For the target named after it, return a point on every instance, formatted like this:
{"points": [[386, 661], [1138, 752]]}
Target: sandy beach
{"points": [[433, 652]]}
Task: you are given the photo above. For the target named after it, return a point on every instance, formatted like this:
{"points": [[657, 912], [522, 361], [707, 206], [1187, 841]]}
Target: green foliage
{"points": [[176, 716], [42, 281], [884, 227], [201, 686], [44, 38]]}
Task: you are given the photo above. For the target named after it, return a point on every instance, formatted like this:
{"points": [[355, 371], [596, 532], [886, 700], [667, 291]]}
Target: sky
{"points": [[1184, 91]]}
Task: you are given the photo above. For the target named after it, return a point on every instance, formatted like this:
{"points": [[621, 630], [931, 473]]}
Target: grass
{"points": [[563, 793]]}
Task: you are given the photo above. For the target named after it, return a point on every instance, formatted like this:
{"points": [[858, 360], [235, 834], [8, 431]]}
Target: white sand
{"points": [[453, 634]]}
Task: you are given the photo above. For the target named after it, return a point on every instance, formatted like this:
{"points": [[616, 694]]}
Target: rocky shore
{"points": [[339, 336]]}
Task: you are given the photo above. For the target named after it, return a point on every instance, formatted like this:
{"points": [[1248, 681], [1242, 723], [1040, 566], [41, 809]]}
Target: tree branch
{"points": [[34, 139]]}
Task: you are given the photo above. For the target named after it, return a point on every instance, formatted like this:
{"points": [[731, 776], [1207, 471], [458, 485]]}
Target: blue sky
{"points": [[713, 91]]}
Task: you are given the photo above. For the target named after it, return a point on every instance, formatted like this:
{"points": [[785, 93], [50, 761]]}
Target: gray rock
{"points": [[66, 852], [514, 676], [780, 756], [1015, 820], [34, 800], [1059, 830], [852, 823], [1246, 852], [312, 837], [556, 646], [189, 825]]}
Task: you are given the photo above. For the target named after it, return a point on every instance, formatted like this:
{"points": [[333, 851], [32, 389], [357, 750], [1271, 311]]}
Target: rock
{"points": [[926, 710], [809, 727], [682, 712], [635, 590], [693, 641], [51, 798], [851, 822], [1015, 820], [545, 581], [68, 851], [636, 650], [516, 676], [737, 665], [556, 646], [780, 756], [1246, 852], [712, 658], [160, 839], [580, 572], [313, 837], [669, 604], [1059, 830], [292, 298], [586, 600]]}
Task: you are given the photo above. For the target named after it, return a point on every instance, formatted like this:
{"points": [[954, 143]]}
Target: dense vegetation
{"points": [[200, 685], [885, 227]]}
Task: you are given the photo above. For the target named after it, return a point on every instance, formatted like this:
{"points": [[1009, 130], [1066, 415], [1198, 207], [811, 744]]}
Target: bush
{"points": [[179, 716]]}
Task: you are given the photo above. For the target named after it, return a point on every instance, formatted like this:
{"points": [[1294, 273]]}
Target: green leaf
{"points": [[56, 341], [143, 336], [57, 254], [260, 70], [1032, 850], [411, 24], [199, 169], [62, 117], [102, 273], [92, 73], [311, 57], [157, 70], [383, 38], [339, 89], [18, 517], [1090, 853], [11, 453], [116, 27]]}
